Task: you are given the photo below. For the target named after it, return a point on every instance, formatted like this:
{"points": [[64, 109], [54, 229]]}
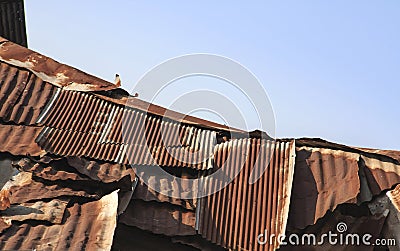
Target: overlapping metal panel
{"points": [[80, 124], [20, 140], [235, 216], [87, 226], [159, 218], [323, 179], [12, 21]]}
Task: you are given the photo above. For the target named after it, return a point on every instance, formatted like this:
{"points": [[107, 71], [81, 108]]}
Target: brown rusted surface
{"points": [[51, 71], [89, 226], [25, 189], [102, 171], [236, 215], [23, 96], [380, 175], [394, 196], [4, 199], [323, 179], [174, 190], [52, 211], [159, 218], [20, 140], [12, 21], [80, 124]]}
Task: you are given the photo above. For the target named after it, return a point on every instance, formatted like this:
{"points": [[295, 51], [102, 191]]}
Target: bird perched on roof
{"points": [[136, 95], [117, 81]]}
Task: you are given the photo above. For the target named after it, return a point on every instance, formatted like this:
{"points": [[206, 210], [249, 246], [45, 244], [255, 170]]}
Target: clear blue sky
{"points": [[331, 68]]}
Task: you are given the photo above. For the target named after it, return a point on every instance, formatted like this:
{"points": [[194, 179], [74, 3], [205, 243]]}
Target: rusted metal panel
{"points": [[24, 189], [154, 109], [360, 225], [80, 124], [87, 226], [51, 71], [168, 191], [102, 171], [52, 211], [20, 140], [381, 175], [57, 170], [23, 96], [12, 21], [323, 179], [159, 218], [236, 215]]}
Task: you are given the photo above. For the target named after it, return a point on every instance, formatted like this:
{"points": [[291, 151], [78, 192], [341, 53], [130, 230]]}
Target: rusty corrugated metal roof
{"points": [[236, 215], [23, 96], [12, 21], [80, 124], [323, 179]]}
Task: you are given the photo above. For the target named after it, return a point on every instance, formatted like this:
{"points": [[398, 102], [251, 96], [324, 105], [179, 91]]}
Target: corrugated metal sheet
{"points": [[159, 218], [360, 225], [20, 140], [323, 179], [380, 175], [52, 71], [89, 226], [52, 211], [23, 96], [170, 191], [236, 215], [25, 189], [102, 171], [12, 21], [56, 170], [80, 124]]}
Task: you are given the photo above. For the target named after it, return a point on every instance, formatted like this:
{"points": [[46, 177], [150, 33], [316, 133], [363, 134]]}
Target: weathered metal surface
{"points": [[51, 71], [12, 21], [236, 215], [157, 110], [323, 179], [381, 175], [89, 226], [56, 170], [159, 218], [360, 225], [52, 211], [79, 124], [23, 96], [20, 140], [102, 171], [25, 189]]}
